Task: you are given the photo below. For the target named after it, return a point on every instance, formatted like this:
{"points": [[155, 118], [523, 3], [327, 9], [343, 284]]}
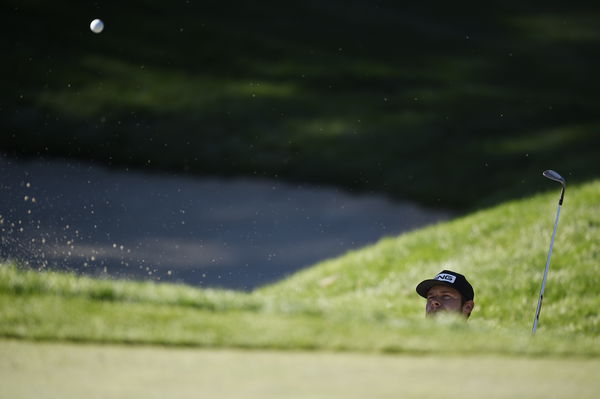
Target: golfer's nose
{"points": [[434, 303]]}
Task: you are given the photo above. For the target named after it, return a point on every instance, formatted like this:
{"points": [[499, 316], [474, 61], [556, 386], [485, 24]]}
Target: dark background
{"points": [[453, 105]]}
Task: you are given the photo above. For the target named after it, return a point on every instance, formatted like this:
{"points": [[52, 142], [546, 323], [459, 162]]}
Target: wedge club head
{"points": [[553, 175]]}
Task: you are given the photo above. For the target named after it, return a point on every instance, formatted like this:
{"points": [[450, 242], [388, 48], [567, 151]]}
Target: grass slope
{"points": [[368, 96], [362, 301]]}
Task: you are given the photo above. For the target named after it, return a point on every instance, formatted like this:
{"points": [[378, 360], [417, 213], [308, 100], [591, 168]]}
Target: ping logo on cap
{"points": [[446, 277]]}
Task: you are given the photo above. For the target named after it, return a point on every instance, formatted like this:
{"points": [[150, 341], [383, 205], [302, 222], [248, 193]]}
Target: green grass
{"points": [[33, 370], [362, 301], [372, 97]]}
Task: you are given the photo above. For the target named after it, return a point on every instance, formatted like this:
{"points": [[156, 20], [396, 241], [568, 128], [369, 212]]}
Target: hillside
{"points": [[362, 301]]}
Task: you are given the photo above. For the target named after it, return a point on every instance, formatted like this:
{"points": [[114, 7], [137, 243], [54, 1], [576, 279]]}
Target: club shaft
{"points": [[540, 299]]}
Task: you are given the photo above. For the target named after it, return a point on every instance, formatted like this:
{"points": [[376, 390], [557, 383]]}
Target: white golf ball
{"points": [[97, 26]]}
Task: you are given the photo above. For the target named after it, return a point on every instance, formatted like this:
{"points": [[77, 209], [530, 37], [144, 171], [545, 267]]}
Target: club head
{"points": [[552, 175]]}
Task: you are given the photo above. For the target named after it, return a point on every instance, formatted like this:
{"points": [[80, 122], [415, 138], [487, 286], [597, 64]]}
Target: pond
{"points": [[237, 233]]}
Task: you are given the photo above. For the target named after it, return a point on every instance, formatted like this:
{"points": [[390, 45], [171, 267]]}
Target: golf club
{"points": [[552, 175]]}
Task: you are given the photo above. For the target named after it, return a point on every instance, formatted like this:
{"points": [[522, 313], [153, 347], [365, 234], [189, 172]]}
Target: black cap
{"points": [[451, 279]]}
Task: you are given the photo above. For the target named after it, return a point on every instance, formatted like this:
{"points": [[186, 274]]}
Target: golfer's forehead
{"points": [[441, 290]]}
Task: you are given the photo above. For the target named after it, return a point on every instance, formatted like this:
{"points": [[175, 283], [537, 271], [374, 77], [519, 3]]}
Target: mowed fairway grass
{"points": [[344, 327], [44, 370]]}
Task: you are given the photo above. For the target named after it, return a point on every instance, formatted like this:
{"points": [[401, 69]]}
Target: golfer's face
{"points": [[443, 299]]}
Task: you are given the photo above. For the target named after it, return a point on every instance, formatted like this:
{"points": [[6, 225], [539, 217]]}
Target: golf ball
{"points": [[97, 26]]}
